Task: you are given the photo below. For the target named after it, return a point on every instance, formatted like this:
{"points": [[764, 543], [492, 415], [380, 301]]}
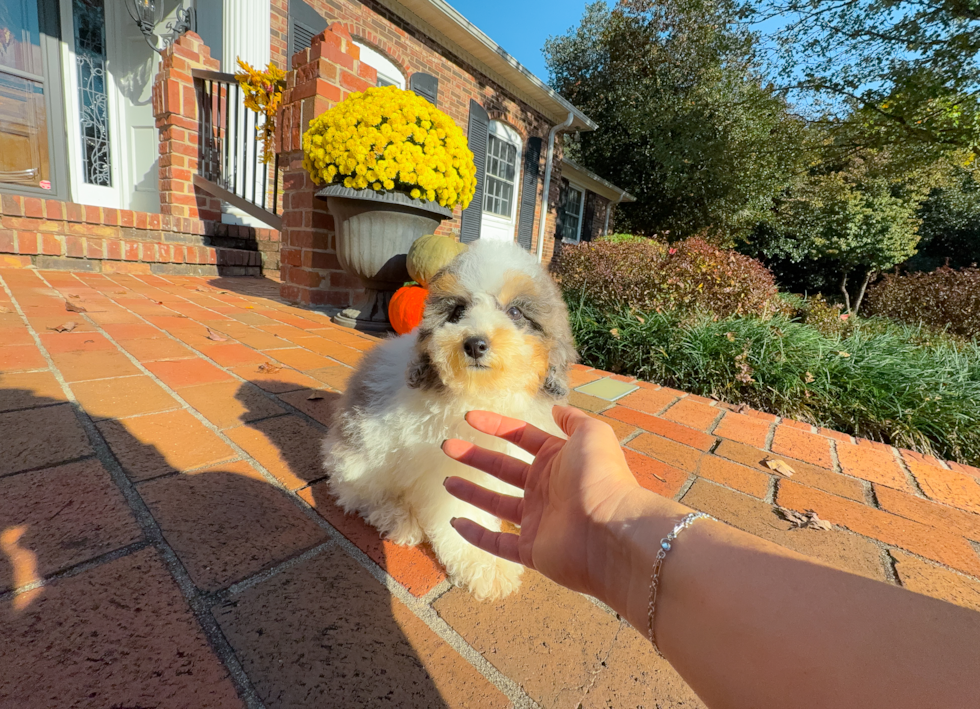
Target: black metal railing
{"points": [[229, 150]]}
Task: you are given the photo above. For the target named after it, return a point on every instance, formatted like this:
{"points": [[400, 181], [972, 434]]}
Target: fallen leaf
{"points": [[315, 396], [730, 336], [780, 466], [640, 319], [67, 327], [807, 520], [212, 335], [844, 354], [809, 379], [250, 307], [740, 408], [3, 309], [72, 295], [269, 368], [72, 308], [615, 332]]}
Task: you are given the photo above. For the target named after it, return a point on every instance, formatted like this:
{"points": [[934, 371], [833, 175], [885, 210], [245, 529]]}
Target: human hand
{"points": [[572, 490]]}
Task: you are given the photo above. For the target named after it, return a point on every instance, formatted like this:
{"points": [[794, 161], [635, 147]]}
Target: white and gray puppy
{"points": [[495, 337]]}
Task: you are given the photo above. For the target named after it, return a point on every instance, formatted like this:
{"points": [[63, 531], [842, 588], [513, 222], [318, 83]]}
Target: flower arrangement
{"points": [[263, 94], [388, 139]]}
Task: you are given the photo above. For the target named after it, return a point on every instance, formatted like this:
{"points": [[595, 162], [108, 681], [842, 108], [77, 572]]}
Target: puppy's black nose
{"points": [[475, 347]]}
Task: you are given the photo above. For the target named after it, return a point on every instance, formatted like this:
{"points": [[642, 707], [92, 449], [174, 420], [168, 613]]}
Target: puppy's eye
{"points": [[457, 314], [514, 313]]}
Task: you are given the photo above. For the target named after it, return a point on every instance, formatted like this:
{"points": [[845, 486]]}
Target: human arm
{"points": [[745, 622]]}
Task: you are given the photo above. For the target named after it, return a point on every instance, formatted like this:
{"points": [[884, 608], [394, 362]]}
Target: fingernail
{"points": [[444, 481], [452, 522], [442, 445]]}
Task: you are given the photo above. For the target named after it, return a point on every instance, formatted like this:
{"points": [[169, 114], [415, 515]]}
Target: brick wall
{"points": [[413, 51], [46, 233]]}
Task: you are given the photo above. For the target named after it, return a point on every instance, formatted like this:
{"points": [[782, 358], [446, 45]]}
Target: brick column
{"points": [[175, 110], [321, 76]]}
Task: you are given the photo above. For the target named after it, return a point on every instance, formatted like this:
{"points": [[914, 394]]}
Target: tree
{"points": [[950, 217], [849, 223], [685, 123], [905, 72]]}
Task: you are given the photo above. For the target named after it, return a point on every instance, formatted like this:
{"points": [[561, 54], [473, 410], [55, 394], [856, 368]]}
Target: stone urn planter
{"points": [[374, 233]]}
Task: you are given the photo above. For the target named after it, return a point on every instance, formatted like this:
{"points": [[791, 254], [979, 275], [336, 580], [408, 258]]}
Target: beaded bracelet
{"points": [[659, 562]]}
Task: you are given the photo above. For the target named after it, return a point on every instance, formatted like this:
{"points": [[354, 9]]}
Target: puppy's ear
{"points": [[422, 374]]}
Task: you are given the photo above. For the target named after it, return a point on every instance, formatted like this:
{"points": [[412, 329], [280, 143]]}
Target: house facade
{"points": [[107, 149]]}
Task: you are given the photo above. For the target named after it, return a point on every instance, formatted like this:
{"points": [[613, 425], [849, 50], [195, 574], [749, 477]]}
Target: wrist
{"points": [[626, 538]]}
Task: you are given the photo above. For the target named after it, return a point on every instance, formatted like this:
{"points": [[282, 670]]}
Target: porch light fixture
{"points": [[147, 14]]}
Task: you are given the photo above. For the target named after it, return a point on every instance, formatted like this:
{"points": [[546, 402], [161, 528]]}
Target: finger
{"points": [[497, 543], [569, 419], [511, 470], [520, 433], [502, 506]]}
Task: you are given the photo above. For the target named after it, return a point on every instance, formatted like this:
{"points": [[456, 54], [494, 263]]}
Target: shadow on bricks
{"points": [[93, 616]]}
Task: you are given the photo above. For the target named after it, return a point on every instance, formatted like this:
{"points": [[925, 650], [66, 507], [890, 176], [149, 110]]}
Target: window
{"points": [[573, 202], [388, 73], [501, 177]]}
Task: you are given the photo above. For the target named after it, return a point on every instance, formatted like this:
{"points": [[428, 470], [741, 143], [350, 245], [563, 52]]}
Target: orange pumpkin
{"points": [[406, 308]]}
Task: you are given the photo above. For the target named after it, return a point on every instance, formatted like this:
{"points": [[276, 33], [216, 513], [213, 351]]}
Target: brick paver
{"points": [[223, 545]]}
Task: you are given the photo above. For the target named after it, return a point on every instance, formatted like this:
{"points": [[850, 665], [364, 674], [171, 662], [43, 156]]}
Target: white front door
{"points": [[112, 137], [501, 180]]}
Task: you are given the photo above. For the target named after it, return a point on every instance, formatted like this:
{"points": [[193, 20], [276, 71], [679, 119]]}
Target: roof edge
{"points": [[489, 57], [594, 183]]}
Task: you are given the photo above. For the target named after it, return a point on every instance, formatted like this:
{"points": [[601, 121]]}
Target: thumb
{"points": [[569, 419]]}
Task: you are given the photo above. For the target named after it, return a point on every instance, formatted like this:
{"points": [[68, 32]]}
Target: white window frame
{"points": [[493, 225], [388, 71], [581, 213]]}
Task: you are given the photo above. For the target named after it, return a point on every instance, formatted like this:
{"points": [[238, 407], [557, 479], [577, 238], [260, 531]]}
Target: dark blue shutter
{"points": [[305, 23], [588, 217], [476, 135], [529, 191], [426, 86]]}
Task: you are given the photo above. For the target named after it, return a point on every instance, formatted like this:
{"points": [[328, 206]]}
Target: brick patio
{"points": [[166, 540]]}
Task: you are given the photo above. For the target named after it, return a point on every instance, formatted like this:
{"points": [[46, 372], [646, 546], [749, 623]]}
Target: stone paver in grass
{"points": [[305, 613]]}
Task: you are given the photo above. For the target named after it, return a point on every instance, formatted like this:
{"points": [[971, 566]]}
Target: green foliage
{"points": [[828, 318], [684, 121], [690, 276], [950, 231], [906, 71], [624, 238], [901, 385], [855, 221], [944, 298]]}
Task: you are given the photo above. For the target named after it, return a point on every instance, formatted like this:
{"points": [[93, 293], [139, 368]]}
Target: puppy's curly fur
{"points": [[411, 393]]}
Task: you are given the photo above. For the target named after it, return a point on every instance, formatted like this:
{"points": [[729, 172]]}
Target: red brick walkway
{"points": [[165, 540]]}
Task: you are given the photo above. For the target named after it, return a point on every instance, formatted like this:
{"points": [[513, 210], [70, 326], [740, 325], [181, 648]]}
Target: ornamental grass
{"points": [[390, 140], [899, 384]]}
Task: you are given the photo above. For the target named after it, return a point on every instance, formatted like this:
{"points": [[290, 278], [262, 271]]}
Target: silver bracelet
{"points": [[661, 555]]}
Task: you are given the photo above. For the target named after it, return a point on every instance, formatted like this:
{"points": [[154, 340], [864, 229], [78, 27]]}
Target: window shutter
{"points": [[305, 23], [588, 217], [560, 212], [479, 127], [529, 191], [426, 86]]}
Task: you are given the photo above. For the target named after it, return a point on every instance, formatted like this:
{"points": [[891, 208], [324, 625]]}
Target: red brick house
{"points": [[211, 207]]}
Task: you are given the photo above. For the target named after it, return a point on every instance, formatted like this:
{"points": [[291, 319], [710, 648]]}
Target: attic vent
{"points": [[302, 37]]}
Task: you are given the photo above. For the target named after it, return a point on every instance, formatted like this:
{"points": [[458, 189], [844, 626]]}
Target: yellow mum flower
{"points": [[390, 139]]}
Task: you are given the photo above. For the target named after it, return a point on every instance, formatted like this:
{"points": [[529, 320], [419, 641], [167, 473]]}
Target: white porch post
{"points": [[246, 33]]}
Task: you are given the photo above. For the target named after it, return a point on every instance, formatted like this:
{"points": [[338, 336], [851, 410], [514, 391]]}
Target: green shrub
{"points": [[691, 276], [829, 318], [624, 238], [941, 299], [892, 383]]}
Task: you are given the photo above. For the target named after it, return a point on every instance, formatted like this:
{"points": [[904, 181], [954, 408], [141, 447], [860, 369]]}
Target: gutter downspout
{"points": [[549, 164], [605, 229]]}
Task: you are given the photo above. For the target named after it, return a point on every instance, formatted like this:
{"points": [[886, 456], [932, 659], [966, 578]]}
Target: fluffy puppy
{"points": [[495, 336]]}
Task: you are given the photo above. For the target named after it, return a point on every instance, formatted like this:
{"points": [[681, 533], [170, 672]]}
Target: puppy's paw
{"points": [[400, 526], [494, 580]]}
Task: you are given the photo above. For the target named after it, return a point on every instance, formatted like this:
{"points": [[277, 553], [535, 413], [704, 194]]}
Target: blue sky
{"points": [[522, 26]]}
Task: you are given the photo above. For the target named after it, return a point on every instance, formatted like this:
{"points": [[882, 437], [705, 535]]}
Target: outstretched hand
{"points": [[570, 490]]}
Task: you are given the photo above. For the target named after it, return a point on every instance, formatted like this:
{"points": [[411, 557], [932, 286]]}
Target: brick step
{"points": [[96, 254]]}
